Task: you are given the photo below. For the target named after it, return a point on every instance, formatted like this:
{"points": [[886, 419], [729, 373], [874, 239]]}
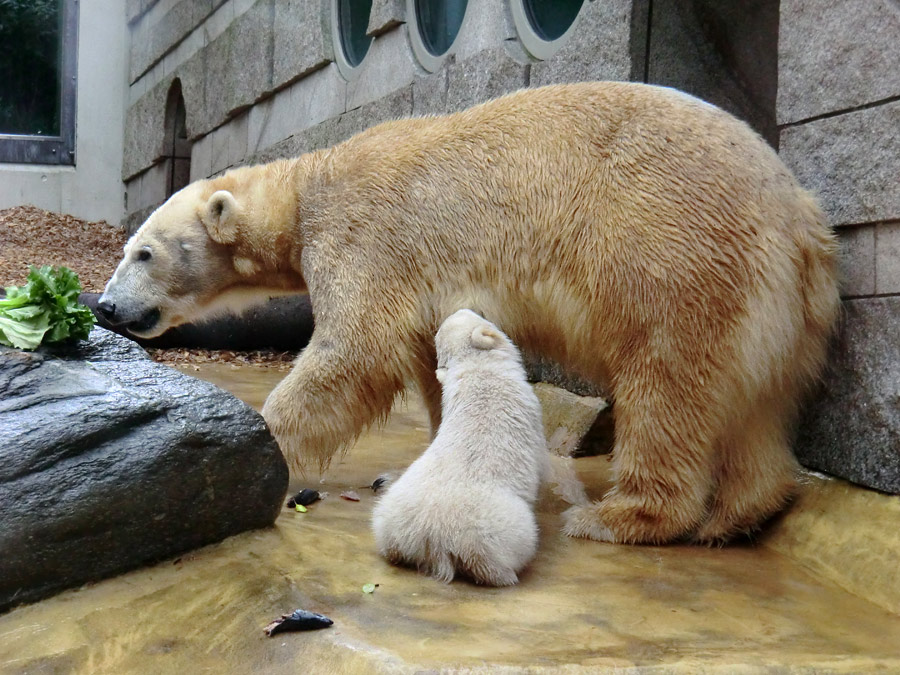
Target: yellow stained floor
{"points": [[582, 606]]}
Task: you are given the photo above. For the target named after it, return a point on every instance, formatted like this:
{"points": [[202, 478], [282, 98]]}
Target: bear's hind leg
{"points": [[661, 466], [756, 474]]}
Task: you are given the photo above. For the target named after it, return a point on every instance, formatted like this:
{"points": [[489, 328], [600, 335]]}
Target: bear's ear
{"points": [[485, 337], [220, 217], [441, 375]]}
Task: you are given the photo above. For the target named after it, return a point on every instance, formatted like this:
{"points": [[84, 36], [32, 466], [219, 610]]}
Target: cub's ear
{"points": [[441, 375], [220, 217], [485, 337]]}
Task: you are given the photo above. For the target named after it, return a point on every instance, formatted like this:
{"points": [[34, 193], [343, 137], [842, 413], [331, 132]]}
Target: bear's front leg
{"points": [[335, 390]]}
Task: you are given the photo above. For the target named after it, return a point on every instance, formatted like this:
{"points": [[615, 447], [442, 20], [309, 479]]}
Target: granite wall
{"points": [[818, 79]]}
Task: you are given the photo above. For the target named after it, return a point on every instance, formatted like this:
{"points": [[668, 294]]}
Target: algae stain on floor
{"points": [[581, 605]]}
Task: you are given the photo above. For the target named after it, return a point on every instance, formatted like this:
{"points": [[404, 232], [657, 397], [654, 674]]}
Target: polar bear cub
{"points": [[466, 505]]}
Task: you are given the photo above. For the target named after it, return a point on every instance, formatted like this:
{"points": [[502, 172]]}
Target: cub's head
{"points": [[466, 337], [192, 258]]}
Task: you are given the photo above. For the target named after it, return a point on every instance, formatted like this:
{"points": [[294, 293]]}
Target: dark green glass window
{"points": [[551, 18], [30, 67], [353, 20], [439, 22]]}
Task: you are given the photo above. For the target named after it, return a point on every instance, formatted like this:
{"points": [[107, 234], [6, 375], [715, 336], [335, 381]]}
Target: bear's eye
{"points": [[144, 254]]}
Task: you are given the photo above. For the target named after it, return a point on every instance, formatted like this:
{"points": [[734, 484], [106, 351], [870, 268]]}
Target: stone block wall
{"points": [[259, 77], [839, 120], [818, 79]]}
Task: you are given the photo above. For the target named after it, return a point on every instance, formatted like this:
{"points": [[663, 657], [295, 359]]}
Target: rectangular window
{"points": [[38, 48]]}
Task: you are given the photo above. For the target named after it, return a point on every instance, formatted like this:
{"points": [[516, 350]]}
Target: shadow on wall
{"points": [[723, 52], [177, 145]]}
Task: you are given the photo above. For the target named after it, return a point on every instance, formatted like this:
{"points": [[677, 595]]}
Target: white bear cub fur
{"points": [[466, 505]]}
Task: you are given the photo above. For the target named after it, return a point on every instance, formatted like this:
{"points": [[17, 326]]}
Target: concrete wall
{"points": [[92, 189], [839, 120], [260, 82]]}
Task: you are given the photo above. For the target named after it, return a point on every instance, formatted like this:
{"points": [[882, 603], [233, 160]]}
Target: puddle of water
{"points": [[581, 603]]}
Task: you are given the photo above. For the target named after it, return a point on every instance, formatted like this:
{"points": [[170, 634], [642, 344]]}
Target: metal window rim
{"points": [[430, 62], [533, 43]]}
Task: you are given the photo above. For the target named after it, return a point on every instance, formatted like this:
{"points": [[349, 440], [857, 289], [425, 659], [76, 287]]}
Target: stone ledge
{"points": [[835, 55], [851, 162], [845, 534]]}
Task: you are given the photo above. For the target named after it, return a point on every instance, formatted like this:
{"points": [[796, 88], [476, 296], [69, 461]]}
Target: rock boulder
{"points": [[109, 461]]}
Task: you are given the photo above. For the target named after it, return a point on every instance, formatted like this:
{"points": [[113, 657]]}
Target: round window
{"points": [[543, 24], [350, 22], [436, 27]]}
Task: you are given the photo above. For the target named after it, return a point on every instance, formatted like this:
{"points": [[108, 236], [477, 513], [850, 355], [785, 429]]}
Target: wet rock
{"points": [[109, 461]]}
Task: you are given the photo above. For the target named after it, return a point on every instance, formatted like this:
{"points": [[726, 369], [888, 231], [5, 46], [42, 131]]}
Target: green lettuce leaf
{"points": [[45, 309]]}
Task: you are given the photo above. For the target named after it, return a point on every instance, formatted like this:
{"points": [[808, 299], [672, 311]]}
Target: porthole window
{"points": [[350, 23], [544, 25], [436, 25]]}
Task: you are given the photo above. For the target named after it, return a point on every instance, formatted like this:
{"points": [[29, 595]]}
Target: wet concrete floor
{"points": [[581, 607]]}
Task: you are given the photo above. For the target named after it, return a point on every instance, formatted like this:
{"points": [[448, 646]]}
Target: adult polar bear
{"points": [[647, 240]]}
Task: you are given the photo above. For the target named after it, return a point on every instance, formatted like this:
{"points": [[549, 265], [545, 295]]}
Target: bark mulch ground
{"points": [[32, 236]]}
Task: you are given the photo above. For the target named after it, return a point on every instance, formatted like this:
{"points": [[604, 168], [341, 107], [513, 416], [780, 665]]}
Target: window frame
{"points": [[348, 70], [531, 40], [429, 61], [53, 150]]}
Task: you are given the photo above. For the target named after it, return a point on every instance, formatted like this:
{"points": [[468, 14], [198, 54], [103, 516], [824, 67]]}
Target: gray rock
{"points": [[302, 41], [109, 461], [851, 162], [488, 74], [429, 93], [145, 130], [192, 74], [836, 54], [385, 15], [132, 10], [250, 69], [851, 428], [599, 49]]}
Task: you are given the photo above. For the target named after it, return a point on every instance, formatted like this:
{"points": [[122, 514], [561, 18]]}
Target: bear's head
{"points": [[189, 261], [467, 337]]}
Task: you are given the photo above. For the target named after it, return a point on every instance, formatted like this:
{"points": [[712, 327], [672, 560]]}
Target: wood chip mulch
{"points": [[33, 236], [188, 359]]}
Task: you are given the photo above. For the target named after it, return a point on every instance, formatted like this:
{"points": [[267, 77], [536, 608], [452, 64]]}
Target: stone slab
{"points": [[249, 75], [389, 66], [337, 129], [144, 130], [851, 162], [887, 258], [836, 54], [856, 260], [851, 427], [600, 47], [484, 76], [568, 418], [385, 15], [111, 462], [302, 42]]}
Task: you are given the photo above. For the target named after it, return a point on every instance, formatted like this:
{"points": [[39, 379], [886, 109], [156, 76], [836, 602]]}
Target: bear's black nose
{"points": [[107, 309]]}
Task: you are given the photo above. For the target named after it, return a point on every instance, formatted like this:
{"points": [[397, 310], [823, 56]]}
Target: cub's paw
{"points": [[585, 522]]}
